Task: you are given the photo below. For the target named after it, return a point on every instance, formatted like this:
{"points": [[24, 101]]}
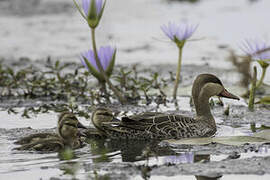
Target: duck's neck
{"points": [[203, 110]]}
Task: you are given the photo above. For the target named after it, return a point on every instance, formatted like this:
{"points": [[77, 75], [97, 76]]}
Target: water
{"points": [[227, 177], [32, 165]]}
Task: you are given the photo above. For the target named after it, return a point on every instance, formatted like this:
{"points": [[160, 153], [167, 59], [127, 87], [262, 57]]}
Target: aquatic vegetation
{"points": [[227, 111], [264, 100], [257, 50], [107, 58], [66, 154], [179, 35], [60, 86], [252, 90], [225, 140], [93, 10], [69, 168]]}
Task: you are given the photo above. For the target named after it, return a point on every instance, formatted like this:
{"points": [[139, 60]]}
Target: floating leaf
{"points": [[263, 134], [264, 100], [239, 140], [226, 140], [190, 141]]}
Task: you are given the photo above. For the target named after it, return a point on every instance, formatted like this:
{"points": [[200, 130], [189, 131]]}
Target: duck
{"points": [[67, 136], [99, 116], [161, 126]]}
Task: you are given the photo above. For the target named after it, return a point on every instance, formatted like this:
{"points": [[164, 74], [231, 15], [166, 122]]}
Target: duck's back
{"points": [[157, 126], [44, 145]]}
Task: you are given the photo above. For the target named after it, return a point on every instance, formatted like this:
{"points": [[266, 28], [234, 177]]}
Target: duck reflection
{"points": [[130, 151], [104, 150]]}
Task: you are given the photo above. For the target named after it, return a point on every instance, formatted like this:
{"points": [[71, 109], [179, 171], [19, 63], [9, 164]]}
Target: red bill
{"points": [[227, 94]]}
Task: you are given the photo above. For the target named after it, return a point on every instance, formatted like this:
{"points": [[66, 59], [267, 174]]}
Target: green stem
{"points": [[101, 70], [79, 9], [262, 78], [253, 127], [252, 90], [178, 72]]}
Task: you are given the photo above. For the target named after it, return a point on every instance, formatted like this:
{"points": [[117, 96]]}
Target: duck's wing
{"points": [[145, 115], [159, 126], [158, 122]]}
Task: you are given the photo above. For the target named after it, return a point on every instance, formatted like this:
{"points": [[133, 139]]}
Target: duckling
{"points": [[35, 137], [151, 125], [68, 136], [104, 115], [67, 129]]}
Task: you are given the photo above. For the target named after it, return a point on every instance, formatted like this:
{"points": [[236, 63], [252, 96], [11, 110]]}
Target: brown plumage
{"points": [[151, 125], [68, 136]]}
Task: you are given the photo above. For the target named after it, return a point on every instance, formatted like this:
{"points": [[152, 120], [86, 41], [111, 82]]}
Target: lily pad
{"points": [[239, 140], [190, 141], [226, 140], [263, 134]]}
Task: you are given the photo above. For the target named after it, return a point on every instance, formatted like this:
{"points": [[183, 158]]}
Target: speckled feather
{"points": [[157, 126]]}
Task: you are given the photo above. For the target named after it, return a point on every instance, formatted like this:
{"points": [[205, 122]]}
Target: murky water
{"points": [[31, 165], [228, 177]]}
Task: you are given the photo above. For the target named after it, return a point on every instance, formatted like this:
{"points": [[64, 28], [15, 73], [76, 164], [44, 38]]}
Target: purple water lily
{"points": [[105, 55], [86, 6], [258, 50], [178, 33], [255, 49]]}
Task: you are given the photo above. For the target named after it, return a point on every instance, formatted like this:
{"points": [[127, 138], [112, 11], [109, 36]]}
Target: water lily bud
{"points": [[92, 11]]}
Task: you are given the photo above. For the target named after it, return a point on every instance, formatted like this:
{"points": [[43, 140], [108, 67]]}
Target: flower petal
{"points": [[180, 32], [86, 6], [105, 55], [99, 4], [253, 48]]}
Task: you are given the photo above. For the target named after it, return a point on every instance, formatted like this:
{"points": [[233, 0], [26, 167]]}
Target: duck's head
{"points": [[68, 125], [208, 85], [101, 115]]}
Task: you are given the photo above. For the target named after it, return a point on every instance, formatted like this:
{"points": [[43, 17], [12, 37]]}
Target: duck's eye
{"points": [[73, 117], [69, 124], [107, 114], [104, 113]]}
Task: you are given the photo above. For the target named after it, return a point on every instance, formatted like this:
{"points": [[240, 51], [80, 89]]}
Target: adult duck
{"points": [[152, 125]]}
